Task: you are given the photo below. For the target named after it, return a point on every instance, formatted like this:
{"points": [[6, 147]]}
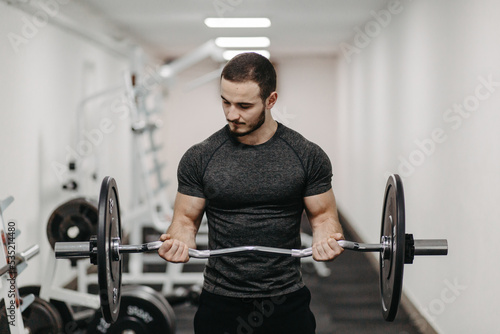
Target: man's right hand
{"points": [[173, 250]]}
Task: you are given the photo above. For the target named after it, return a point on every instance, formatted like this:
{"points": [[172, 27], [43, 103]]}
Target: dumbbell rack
{"points": [[9, 291], [8, 279], [12, 321]]}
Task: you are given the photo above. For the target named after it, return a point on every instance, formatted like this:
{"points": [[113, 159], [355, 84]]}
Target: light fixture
{"points": [[242, 42], [238, 22], [229, 54], [166, 71]]}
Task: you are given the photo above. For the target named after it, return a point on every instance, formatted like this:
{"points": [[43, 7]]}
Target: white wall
{"points": [[394, 93], [190, 116], [41, 86], [305, 99]]}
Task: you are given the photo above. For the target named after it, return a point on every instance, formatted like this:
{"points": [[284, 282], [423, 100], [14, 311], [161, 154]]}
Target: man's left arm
{"points": [[322, 213]]}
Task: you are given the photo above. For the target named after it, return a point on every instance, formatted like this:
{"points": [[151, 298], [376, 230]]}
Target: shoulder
{"points": [[315, 161], [311, 155], [300, 144], [216, 139], [205, 149]]}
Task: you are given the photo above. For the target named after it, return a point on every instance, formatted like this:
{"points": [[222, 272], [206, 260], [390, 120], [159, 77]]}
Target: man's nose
{"points": [[232, 114]]}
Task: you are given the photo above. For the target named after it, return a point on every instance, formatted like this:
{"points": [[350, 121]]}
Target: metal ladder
{"points": [[151, 207]]}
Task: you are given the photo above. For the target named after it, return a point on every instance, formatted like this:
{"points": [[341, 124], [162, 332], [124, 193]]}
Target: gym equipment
{"points": [[42, 317], [13, 309], [108, 238], [142, 311], [21, 258], [69, 321], [183, 295], [396, 248], [75, 220]]}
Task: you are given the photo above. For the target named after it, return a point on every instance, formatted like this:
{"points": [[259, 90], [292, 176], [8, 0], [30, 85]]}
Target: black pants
{"points": [[288, 314]]}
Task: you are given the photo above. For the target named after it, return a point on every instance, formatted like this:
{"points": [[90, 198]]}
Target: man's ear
{"points": [[271, 100]]}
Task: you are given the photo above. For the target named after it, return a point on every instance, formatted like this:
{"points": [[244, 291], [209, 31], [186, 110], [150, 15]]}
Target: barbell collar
{"points": [[431, 246]]}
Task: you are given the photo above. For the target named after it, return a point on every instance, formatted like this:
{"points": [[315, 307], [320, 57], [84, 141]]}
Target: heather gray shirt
{"points": [[254, 196]]}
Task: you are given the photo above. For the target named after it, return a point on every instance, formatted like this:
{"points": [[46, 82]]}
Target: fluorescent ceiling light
{"points": [[242, 42], [229, 54], [235, 22]]}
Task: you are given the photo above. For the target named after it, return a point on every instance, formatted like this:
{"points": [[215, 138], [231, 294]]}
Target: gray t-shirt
{"points": [[254, 196]]}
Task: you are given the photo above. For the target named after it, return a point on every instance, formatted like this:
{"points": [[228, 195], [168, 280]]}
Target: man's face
{"points": [[243, 107]]}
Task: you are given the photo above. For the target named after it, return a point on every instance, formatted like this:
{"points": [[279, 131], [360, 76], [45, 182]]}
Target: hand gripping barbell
{"points": [[396, 248]]}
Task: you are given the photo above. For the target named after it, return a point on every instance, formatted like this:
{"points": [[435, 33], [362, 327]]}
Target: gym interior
{"points": [[91, 89]]}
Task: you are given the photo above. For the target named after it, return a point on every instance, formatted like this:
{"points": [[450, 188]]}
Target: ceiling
{"points": [[167, 29]]}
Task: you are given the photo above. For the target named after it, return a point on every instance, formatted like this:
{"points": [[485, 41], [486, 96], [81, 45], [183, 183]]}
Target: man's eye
{"points": [[225, 102]]}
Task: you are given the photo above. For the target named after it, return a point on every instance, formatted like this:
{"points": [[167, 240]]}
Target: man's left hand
{"points": [[328, 249]]}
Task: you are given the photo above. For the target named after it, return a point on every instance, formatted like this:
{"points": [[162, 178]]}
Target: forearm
{"points": [[323, 217], [188, 212], [326, 227]]}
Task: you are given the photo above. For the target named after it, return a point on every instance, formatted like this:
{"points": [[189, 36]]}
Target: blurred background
{"points": [[406, 87]]}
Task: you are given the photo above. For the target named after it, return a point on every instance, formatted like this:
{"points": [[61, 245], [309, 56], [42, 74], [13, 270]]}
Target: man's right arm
{"points": [[181, 235]]}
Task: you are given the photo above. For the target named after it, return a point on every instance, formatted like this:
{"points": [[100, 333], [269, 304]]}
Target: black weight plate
{"points": [[167, 310], [141, 312], [4, 321], [393, 228], [109, 268], [67, 315], [42, 317], [75, 220]]}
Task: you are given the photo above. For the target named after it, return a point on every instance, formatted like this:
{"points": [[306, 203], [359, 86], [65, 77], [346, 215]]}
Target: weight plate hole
{"points": [[73, 232]]}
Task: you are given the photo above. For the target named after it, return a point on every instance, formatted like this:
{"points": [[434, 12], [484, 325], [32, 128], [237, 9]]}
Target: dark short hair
{"points": [[251, 66]]}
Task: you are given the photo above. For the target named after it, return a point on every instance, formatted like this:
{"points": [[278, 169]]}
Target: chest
{"points": [[250, 175]]}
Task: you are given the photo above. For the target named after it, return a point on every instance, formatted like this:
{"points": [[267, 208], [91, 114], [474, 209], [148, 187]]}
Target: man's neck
{"points": [[262, 134]]}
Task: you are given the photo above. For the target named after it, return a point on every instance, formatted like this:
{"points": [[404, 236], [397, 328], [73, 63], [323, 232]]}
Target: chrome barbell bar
{"points": [[76, 250]]}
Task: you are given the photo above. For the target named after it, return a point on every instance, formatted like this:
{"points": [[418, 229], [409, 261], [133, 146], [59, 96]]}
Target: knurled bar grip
{"points": [[77, 250]]}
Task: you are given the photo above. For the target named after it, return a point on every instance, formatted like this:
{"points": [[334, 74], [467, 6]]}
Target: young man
{"points": [[253, 178]]}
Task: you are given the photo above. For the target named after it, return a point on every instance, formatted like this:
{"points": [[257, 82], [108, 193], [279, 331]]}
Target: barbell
{"points": [[396, 248]]}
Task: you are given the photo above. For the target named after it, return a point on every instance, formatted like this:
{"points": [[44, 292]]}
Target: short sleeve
{"points": [[319, 172], [190, 173]]}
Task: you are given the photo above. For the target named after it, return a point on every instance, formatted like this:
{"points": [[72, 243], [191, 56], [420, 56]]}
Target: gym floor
{"points": [[347, 301]]}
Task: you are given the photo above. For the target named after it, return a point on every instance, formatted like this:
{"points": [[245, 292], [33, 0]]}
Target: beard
{"points": [[252, 127]]}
